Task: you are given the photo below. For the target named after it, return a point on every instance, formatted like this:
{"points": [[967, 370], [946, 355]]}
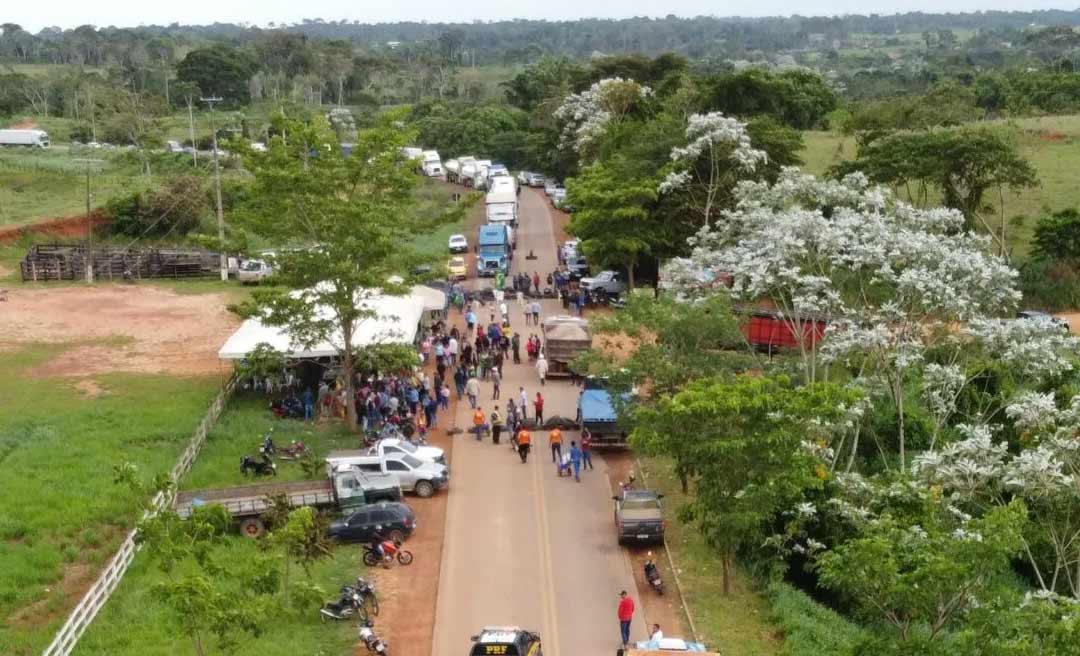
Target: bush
{"points": [[811, 629], [173, 209], [1049, 285]]}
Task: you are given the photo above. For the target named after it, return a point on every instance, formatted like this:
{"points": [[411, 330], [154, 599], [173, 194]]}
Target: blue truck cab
{"points": [[597, 412], [493, 250]]}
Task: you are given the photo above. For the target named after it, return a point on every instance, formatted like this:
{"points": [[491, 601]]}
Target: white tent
{"points": [[432, 299], [397, 322]]}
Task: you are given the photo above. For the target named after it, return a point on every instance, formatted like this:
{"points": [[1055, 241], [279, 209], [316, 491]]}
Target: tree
{"points": [[749, 446], [922, 577], [612, 217], [174, 209], [551, 77], [351, 222], [962, 164], [1057, 236], [797, 98], [586, 116], [220, 71], [301, 535]]}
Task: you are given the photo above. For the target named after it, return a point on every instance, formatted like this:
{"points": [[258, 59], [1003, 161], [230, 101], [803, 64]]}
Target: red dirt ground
{"points": [[128, 328], [71, 227]]}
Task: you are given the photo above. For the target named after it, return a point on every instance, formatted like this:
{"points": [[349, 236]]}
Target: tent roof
{"points": [[397, 323], [432, 299]]}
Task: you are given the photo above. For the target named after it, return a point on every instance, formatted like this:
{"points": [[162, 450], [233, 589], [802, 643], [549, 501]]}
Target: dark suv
{"points": [[506, 641], [391, 520], [639, 517]]}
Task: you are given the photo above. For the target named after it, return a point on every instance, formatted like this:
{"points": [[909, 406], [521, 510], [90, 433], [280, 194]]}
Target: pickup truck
{"points": [[565, 338], [606, 281], [639, 517], [254, 271], [342, 490], [414, 475], [392, 446]]}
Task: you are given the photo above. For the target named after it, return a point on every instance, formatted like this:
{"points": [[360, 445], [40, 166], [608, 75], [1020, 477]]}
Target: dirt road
{"points": [[522, 546]]}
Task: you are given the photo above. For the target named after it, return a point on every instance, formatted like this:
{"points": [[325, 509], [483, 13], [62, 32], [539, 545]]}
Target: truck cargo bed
{"points": [[252, 499]]}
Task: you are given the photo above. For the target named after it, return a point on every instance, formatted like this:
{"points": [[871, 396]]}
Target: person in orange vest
{"points": [[478, 423], [524, 440], [555, 441]]}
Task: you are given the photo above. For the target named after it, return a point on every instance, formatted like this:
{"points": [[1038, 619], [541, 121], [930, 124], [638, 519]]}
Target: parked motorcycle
{"points": [[391, 550], [262, 467], [349, 604], [652, 575], [294, 451], [367, 594], [374, 643], [268, 448]]}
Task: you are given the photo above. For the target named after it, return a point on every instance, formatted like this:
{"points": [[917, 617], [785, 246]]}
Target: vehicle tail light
{"points": [[408, 522]]}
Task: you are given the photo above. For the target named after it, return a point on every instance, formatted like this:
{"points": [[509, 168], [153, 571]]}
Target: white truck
{"points": [[480, 176], [27, 138], [457, 172], [414, 474], [502, 202], [411, 152], [432, 163]]}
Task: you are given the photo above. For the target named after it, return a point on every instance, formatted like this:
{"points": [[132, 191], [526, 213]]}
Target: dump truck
{"points": [[342, 489], [597, 412], [565, 338]]}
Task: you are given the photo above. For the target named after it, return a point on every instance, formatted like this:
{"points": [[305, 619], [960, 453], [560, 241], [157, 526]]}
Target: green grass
{"points": [[736, 624], [62, 513], [432, 198], [134, 622], [1051, 144]]}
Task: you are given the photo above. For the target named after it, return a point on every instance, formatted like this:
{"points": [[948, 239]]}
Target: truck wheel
{"points": [[424, 489], [252, 527]]}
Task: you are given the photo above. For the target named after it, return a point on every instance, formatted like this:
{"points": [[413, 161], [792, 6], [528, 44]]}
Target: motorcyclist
{"points": [[629, 483], [377, 546], [651, 572]]}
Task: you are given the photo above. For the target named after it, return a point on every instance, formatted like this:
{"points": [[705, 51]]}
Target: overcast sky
{"points": [[126, 13]]}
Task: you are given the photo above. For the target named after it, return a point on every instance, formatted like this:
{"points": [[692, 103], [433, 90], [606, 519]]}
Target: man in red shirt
{"points": [[626, 614]]}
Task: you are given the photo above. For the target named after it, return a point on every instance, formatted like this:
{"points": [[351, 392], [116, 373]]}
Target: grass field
{"points": [[1051, 144], [62, 515], [136, 623], [736, 624]]}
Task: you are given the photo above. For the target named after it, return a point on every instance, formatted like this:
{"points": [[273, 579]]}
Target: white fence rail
{"points": [[94, 599]]}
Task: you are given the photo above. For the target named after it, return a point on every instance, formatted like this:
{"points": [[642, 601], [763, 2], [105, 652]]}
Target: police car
{"points": [[506, 641]]}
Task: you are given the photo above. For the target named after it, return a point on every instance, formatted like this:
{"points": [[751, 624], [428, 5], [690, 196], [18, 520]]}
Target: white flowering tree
{"points": [[718, 153], [891, 279], [586, 116]]}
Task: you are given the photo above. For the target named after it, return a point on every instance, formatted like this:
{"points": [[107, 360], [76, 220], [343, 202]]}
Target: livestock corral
{"points": [[45, 262]]}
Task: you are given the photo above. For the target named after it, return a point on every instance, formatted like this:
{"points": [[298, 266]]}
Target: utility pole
{"points": [[191, 132], [89, 223], [217, 190]]}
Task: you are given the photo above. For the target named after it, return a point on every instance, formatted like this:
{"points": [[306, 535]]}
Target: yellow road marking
{"points": [[548, 587]]}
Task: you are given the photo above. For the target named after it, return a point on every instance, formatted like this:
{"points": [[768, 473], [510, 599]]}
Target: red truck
{"points": [[770, 330]]}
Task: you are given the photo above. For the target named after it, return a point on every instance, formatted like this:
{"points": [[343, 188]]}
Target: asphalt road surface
{"points": [[522, 546]]}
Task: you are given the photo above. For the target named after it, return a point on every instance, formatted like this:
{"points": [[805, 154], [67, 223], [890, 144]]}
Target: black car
{"points": [[1035, 315], [577, 267], [506, 641], [391, 520], [639, 517]]}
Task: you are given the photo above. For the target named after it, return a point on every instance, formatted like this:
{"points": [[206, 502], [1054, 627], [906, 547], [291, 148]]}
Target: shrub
{"points": [[809, 628], [174, 209], [1049, 285]]}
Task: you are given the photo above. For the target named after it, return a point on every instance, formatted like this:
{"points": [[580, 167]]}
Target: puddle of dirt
{"points": [[90, 388]]}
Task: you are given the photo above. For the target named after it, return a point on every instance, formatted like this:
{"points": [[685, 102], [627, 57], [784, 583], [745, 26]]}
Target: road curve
{"points": [[522, 546]]}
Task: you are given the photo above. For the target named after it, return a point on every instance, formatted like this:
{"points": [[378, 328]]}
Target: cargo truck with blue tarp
{"points": [[493, 250], [597, 412]]}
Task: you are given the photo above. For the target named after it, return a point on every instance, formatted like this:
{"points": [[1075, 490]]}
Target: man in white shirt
{"points": [[453, 348], [657, 634]]}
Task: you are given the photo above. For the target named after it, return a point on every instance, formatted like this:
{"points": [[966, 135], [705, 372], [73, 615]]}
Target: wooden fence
{"points": [[94, 599], [45, 262]]}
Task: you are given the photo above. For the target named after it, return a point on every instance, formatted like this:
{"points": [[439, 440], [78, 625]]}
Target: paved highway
{"points": [[522, 546]]}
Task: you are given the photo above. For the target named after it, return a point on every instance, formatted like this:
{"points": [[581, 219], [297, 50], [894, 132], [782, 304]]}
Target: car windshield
{"points": [[410, 461], [252, 265], [406, 446], [640, 504], [457, 261]]}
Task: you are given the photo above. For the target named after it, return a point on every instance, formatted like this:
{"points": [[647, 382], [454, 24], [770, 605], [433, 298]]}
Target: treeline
{"points": [[518, 41]]}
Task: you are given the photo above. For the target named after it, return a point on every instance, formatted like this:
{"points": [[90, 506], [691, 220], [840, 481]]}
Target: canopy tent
{"points": [[432, 299], [397, 322]]}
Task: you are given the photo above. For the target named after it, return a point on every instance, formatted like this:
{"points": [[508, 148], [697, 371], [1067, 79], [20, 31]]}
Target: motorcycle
{"points": [[263, 467], [268, 447], [628, 484], [295, 451], [350, 603], [367, 595], [374, 643], [391, 550], [652, 575]]}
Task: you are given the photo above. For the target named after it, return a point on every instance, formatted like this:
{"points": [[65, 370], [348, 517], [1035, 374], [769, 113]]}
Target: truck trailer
{"points": [[501, 201], [432, 163], [25, 138], [565, 338]]}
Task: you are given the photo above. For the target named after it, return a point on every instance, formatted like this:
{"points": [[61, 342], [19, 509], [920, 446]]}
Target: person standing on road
{"points": [[452, 348], [536, 282], [626, 614], [496, 378], [575, 460], [542, 368], [496, 425], [586, 448], [460, 378], [478, 423], [470, 321], [524, 442], [515, 343], [555, 440], [534, 309], [504, 313], [309, 404], [524, 398], [472, 390], [538, 407]]}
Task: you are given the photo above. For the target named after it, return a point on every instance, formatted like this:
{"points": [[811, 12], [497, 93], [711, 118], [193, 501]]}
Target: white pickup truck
{"points": [[415, 475]]}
